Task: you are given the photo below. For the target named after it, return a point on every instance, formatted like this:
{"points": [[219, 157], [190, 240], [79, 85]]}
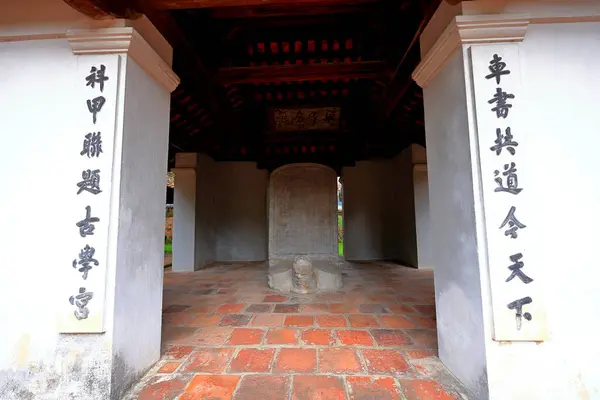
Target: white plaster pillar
{"points": [[84, 321], [540, 59], [184, 212]]}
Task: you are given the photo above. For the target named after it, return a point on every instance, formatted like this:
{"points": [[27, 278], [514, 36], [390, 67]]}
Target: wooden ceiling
{"points": [[239, 60]]}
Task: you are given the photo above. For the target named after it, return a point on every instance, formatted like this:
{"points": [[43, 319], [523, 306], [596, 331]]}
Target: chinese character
{"points": [[502, 107], [95, 105], [90, 182], [86, 227], [281, 119], [299, 120], [497, 69], [97, 76], [86, 257], [92, 145], [329, 117], [512, 180], [505, 140], [516, 269], [312, 117], [80, 301], [517, 305], [513, 223]]}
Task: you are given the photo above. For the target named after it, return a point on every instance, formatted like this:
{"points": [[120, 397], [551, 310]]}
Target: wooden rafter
{"points": [[302, 72]]}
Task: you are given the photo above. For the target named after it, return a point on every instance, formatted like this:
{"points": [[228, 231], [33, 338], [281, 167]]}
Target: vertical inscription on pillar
{"points": [[518, 309], [82, 302]]}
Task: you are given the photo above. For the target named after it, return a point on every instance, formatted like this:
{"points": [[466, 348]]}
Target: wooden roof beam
{"points": [[187, 4], [302, 72]]}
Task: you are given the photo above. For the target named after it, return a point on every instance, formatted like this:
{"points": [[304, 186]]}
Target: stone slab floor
{"points": [[226, 335]]}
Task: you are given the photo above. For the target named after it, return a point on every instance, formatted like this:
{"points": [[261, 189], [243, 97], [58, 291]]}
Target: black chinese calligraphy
{"points": [[517, 305], [512, 180], [299, 119], [95, 106], [81, 301], [92, 145], [330, 116], [97, 75], [497, 69], [86, 226], [501, 99], [516, 269], [505, 140], [90, 182], [86, 260], [513, 224]]}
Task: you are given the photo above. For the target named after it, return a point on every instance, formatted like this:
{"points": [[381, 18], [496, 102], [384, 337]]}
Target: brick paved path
{"points": [[227, 336]]}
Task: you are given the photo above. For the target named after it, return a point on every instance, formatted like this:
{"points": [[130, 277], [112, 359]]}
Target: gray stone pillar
{"points": [[184, 212]]}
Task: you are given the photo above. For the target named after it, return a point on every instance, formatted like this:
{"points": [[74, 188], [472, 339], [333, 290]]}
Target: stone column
{"points": [[85, 120], [510, 92], [184, 212]]}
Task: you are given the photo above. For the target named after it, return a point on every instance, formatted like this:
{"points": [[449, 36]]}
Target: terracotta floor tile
{"points": [[317, 308], [211, 387], [261, 387], [206, 320], [267, 320], [396, 321], [318, 388], [366, 387], [296, 360], [177, 352], [275, 299], [372, 331], [210, 336], [343, 308], [210, 360], [363, 321], [384, 362], [259, 308], [282, 336], [299, 320], [245, 336], [235, 320], [331, 321], [169, 367], [423, 389], [354, 338], [286, 308], [252, 360], [339, 361], [161, 388], [317, 337], [390, 337], [425, 338]]}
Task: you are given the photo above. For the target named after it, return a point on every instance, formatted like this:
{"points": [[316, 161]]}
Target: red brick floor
{"points": [[226, 335]]}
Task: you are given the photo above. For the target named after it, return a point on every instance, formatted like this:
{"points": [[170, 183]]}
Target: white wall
{"points": [[363, 204], [379, 210], [206, 216], [461, 334], [559, 61], [423, 217], [35, 125], [40, 121], [184, 220], [241, 198], [140, 248], [231, 212]]}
